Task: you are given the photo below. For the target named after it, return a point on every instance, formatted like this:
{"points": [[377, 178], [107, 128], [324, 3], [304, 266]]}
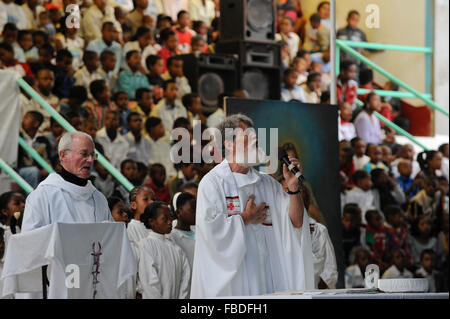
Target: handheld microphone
{"points": [[292, 168]]}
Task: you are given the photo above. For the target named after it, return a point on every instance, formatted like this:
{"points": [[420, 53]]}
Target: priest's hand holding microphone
{"points": [[256, 214], [294, 178]]}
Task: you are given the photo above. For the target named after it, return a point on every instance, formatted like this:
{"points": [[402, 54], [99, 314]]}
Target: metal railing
{"points": [[343, 45], [16, 177]]}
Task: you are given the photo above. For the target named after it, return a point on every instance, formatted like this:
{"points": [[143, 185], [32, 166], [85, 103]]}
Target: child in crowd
{"points": [[169, 48], [46, 55], [169, 108], [9, 36], [346, 85], [183, 32], [164, 271], [157, 183], [141, 173], [286, 33], [142, 43], [198, 45], [130, 80], [352, 234], [406, 151], [56, 130], [427, 269], [310, 44], [140, 146], [118, 209], [346, 129], [187, 172], [398, 269], [69, 39], [89, 72], [312, 89], [40, 38], [366, 123], [144, 105], [45, 24], [140, 197], [155, 66], [290, 91], [64, 74], [396, 233], [12, 206], [386, 156], [359, 149], [376, 234], [7, 60], [421, 237], [175, 72], [108, 63], [183, 209], [362, 193], [103, 181], [75, 101], [154, 128], [128, 169], [122, 104], [426, 202], [25, 40], [193, 104], [355, 274], [301, 65], [410, 186], [386, 191], [101, 100], [375, 155]]}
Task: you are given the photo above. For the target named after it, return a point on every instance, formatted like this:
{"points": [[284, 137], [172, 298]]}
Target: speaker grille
{"points": [[256, 84], [259, 14], [210, 85]]}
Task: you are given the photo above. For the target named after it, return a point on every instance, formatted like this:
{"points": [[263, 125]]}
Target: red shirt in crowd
{"points": [[347, 92], [165, 54], [162, 193]]}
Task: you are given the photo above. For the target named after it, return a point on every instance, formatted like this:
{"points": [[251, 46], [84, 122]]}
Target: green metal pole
{"points": [[16, 177], [38, 158], [395, 127], [380, 46], [390, 77], [66, 125], [397, 94]]}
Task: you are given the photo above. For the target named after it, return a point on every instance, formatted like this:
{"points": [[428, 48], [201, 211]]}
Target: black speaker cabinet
{"points": [[259, 67], [252, 20], [210, 75]]}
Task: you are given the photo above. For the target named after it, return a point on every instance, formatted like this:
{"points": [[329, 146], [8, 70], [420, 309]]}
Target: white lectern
{"points": [[85, 261]]}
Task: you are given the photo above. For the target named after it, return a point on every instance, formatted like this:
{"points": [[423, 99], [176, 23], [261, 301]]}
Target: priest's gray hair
{"points": [[231, 122], [67, 138]]}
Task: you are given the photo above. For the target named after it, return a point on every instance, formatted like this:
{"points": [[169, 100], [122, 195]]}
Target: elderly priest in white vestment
{"points": [[68, 196], [246, 240]]}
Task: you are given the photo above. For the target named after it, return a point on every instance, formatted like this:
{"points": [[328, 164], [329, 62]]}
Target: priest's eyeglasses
{"points": [[85, 154]]}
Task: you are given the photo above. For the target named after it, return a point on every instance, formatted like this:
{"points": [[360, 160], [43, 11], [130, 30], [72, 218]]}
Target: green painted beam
{"points": [[380, 46], [35, 155], [396, 94], [66, 125], [16, 177], [400, 83]]}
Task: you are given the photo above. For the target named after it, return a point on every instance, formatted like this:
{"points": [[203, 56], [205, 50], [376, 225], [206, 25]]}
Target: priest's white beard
{"points": [[253, 157]]}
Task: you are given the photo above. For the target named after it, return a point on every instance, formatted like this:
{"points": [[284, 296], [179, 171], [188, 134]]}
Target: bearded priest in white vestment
{"points": [[246, 225], [68, 196]]}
